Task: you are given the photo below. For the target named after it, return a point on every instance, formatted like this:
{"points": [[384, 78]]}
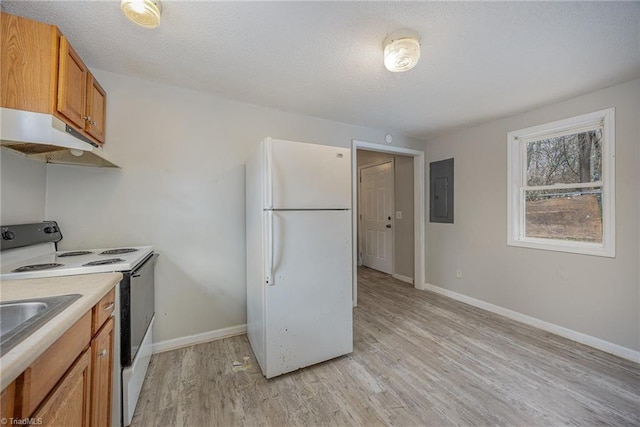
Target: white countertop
{"points": [[92, 287]]}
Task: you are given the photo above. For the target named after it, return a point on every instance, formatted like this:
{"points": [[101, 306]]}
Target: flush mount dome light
{"points": [[401, 53], [145, 13]]}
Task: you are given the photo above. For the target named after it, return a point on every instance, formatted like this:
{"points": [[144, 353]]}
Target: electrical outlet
{"points": [[459, 273], [398, 214]]}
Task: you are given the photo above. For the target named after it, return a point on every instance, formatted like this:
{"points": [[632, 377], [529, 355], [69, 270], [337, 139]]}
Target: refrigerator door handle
{"points": [[269, 171], [269, 279]]}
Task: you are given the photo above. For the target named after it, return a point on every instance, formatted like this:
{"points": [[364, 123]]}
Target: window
{"points": [[560, 185]]}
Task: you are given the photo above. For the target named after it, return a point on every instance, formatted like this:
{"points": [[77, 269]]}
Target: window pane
{"points": [[565, 159], [564, 214]]}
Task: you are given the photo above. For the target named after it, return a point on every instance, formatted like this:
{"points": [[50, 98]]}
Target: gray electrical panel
{"points": [[441, 191]]}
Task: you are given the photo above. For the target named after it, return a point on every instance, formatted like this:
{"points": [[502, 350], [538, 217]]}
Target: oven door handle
{"points": [[138, 271]]}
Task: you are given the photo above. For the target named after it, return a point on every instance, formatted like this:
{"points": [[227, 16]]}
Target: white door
{"points": [[376, 210], [307, 176], [309, 305]]}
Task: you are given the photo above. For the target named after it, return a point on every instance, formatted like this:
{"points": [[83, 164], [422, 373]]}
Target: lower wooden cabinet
{"points": [[68, 404], [8, 399], [70, 384], [37, 381], [101, 375]]}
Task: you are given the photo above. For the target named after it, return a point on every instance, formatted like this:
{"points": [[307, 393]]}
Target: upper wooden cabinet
{"points": [[41, 72], [72, 85], [81, 99], [29, 64], [96, 109]]}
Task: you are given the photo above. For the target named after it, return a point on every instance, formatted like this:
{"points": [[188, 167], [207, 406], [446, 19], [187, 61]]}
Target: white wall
{"points": [[180, 189], [404, 191], [22, 189], [593, 295]]}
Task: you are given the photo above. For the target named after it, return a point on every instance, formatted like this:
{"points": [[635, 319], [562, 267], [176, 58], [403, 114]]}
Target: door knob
{"points": [[388, 225]]}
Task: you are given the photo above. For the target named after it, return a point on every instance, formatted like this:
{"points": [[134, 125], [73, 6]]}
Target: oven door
{"points": [[142, 302]]}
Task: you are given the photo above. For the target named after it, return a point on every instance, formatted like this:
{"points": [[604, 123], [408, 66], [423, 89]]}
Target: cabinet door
{"points": [[96, 109], [72, 85], [101, 375], [68, 404], [29, 58], [8, 399]]}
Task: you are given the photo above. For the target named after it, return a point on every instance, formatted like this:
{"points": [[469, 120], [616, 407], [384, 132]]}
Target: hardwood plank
{"points": [[419, 359]]}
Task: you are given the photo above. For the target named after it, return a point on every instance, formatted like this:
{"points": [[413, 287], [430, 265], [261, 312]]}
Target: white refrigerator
{"points": [[299, 254]]}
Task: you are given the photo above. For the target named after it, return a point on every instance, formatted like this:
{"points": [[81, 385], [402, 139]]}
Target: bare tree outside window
{"points": [[565, 159], [565, 211]]}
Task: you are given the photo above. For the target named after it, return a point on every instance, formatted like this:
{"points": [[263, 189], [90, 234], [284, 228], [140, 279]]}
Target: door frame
{"points": [[393, 209], [418, 208]]}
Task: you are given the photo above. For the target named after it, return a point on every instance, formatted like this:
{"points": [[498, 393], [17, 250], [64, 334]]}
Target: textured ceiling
{"points": [[480, 60]]}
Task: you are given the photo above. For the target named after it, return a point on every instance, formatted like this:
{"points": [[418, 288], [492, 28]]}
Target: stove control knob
{"points": [[8, 235]]}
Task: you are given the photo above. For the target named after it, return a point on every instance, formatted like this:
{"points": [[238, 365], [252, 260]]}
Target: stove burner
{"points": [[103, 262], [36, 267], [118, 251], [75, 253]]}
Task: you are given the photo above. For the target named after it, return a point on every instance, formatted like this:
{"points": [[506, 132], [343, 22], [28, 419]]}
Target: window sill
{"points": [[581, 248]]}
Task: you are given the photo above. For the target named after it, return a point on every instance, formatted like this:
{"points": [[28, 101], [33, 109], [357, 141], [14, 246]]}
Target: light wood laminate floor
{"points": [[419, 359]]}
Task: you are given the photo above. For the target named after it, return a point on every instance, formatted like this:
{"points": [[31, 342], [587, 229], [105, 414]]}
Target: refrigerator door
{"points": [[307, 176], [308, 306], [255, 239]]}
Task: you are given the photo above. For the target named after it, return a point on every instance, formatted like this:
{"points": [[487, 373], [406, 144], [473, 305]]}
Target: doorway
{"points": [[415, 157]]}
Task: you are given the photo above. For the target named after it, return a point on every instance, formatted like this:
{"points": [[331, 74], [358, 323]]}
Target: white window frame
{"points": [[516, 181]]}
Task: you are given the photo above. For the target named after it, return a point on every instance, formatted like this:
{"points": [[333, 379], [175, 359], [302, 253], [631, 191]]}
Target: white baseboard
{"points": [[189, 340], [589, 340], [403, 278]]}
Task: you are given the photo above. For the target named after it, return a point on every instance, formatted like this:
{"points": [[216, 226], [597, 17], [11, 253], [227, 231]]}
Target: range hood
{"points": [[48, 139]]}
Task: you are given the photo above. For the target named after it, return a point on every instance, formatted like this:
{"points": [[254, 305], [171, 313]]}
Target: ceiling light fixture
{"points": [[401, 52], [145, 13]]}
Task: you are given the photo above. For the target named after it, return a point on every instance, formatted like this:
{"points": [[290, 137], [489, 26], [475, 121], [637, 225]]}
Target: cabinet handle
{"points": [[103, 353], [109, 307], [92, 122], [87, 118]]}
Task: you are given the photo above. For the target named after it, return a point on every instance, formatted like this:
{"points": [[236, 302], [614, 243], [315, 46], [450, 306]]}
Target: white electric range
{"points": [[29, 251], [44, 260]]}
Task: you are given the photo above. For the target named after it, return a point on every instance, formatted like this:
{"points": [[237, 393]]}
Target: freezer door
{"points": [[308, 307], [307, 176]]}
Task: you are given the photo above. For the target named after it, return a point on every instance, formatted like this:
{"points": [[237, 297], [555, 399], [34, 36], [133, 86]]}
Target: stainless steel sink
{"points": [[19, 319], [16, 313]]}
